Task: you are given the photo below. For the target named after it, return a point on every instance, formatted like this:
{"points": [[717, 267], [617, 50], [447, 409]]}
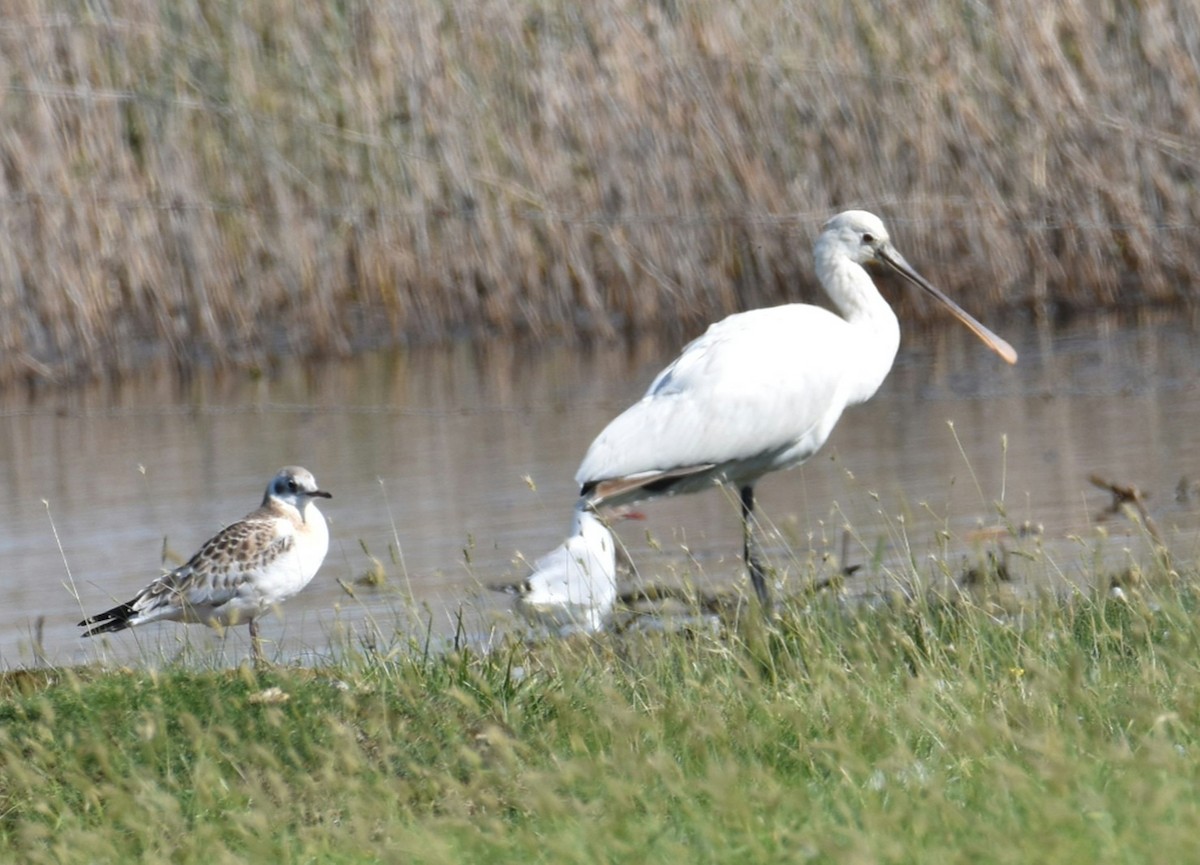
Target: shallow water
{"points": [[449, 464]]}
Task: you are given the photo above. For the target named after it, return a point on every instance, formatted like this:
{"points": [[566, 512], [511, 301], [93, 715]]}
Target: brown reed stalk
{"points": [[227, 183]]}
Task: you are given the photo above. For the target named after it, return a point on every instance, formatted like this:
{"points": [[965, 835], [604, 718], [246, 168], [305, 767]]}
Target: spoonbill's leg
{"points": [[750, 552]]}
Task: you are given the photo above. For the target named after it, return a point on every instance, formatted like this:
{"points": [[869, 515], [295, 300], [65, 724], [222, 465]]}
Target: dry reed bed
{"points": [[226, 183]]}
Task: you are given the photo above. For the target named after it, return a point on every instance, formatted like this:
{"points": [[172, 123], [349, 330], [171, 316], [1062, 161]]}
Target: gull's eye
{"points": [[292, 485]]}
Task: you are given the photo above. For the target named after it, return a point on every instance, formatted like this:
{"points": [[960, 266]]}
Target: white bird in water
{"points": [[242, 571], [761, 391], [574, 587]]}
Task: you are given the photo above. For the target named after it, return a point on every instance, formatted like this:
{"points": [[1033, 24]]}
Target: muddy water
{"points": [[448, 465]]}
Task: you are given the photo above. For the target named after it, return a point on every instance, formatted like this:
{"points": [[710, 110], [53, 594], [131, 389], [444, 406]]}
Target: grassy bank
{"points": [[928, 732], [222, 182]]}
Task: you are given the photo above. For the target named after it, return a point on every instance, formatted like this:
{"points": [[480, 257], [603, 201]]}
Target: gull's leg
{"points": [[256, 644]]}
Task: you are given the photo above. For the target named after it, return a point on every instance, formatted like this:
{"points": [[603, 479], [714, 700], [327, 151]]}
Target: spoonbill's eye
{"points": [[868, 238]]}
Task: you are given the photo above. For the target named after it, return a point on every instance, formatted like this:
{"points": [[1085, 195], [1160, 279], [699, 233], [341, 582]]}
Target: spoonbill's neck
{"points": [[873, 324], [849, 285]]}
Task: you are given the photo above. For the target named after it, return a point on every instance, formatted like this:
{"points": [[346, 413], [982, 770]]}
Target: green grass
{"points": [[929, 731]]}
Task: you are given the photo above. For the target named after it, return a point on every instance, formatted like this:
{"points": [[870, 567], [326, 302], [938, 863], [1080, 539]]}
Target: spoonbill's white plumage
{"points": [[242, 571], [574, 586], [761, 391]]}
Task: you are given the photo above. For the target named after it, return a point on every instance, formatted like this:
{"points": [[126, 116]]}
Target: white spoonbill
{"points": [[760, 391], [242, 571], [574, 586]]}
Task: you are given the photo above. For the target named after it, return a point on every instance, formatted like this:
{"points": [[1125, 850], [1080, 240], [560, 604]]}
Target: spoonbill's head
{"points": [[856, 235], [862, 238]]}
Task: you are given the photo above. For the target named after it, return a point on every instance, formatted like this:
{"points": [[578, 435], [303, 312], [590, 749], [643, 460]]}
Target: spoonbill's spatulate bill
{"points": [[242, 571], [761, 391]]}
